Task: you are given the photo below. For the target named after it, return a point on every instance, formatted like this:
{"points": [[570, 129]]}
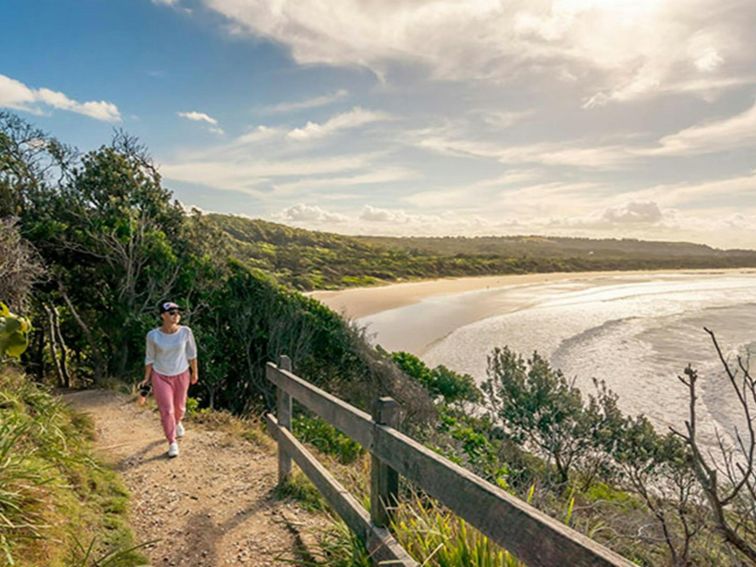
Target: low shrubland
{"points": [[58, 504], [578, 458]]}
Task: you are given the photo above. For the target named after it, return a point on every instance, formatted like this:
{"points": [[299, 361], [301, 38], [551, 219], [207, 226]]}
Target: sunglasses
{"points": [[173, 312]]}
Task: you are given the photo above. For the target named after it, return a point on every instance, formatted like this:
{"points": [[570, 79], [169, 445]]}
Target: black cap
{"points": [[167, 306]]}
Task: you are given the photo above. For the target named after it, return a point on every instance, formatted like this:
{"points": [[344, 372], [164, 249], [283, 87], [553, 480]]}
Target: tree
{"points": [[452, 387], [728, 480], [538, 407], [657, 468], [30, 161], [20, 265], [111, 225]]}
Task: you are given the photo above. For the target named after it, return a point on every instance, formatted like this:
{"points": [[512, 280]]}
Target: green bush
{"points": [[298, 487], [326, 438], [451, 387]]}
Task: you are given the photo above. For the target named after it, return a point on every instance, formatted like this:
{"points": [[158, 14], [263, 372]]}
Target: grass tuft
{"points": [[53, 493], [434, 536], [299, 488]]}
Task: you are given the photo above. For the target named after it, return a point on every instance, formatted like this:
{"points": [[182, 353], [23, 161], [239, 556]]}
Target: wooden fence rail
{"points": [[531, 535]]}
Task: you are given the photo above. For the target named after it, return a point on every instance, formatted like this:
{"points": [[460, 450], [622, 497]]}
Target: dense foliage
{"points": [[442, 383], [114, 244], [580, 458]]}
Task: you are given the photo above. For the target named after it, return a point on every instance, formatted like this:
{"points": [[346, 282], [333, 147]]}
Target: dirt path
{"points": [[213, 505]]}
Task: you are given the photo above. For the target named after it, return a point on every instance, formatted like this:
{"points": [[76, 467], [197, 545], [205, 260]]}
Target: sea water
{"points": [[635, 332]]}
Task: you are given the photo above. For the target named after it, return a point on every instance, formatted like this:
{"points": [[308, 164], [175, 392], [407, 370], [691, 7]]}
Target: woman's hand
{"points": [[195, 378]]}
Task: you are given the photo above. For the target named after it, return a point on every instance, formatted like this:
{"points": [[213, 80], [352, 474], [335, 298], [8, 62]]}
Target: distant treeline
{"points": [[317, 260]]}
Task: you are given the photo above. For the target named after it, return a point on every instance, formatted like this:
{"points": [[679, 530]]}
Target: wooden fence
{"points": [[532, 536]]}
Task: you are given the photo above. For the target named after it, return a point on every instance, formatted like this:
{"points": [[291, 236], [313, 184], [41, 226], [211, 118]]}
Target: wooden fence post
{"points": [[283, 414], [384, 481]]}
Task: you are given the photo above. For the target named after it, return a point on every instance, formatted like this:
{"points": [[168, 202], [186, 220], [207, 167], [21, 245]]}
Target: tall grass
{"points": [[434, 536], [53, 493]]}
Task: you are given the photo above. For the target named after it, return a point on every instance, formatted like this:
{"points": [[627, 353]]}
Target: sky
{"points": [[597, 118]]}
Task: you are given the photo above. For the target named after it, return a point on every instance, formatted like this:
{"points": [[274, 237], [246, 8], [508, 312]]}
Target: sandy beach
{"points": [[356, 303], [633, 330]]}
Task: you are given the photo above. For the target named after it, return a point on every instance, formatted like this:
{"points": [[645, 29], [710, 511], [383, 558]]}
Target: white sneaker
{"points": [[179, 429], [173, 450]]}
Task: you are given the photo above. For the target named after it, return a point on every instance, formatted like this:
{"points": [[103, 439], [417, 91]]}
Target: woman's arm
{"points": [[195, 374], [147, 373], [191, 354], [149, 358]]}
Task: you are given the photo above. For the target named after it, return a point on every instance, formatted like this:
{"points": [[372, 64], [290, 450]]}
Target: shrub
{"points": [[449, 386], [326, 438]]}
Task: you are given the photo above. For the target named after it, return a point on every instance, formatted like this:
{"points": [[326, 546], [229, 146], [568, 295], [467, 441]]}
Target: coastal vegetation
{"points": [[92, 242], [59, 505], [308, 260]]}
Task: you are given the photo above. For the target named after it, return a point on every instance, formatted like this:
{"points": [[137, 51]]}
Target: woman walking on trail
{"points": [[170, 355]]}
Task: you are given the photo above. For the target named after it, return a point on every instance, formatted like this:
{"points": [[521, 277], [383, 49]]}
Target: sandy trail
{"points": [[213, 505]]}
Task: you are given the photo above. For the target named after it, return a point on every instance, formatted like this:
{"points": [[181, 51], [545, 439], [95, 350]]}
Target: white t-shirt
{"points": [[170, 353]]}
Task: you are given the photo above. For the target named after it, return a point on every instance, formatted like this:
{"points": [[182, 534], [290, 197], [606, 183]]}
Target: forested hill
{"points": [[319, 260]]}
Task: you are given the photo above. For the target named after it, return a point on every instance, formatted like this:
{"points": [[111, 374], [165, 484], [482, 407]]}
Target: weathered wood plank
{"points": [[531, 535], [351, 421], [284, 413], [380, 543], [384, 481]]}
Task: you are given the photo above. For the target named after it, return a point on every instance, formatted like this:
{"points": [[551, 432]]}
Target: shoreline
{"points": [[359, 302]]}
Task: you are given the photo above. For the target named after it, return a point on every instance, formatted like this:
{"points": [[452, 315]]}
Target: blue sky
{"points": [[567, 117]]}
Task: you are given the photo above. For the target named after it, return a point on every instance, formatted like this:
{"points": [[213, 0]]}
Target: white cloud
{"points": [[245, 174], [618, 50], [634, 213], [373, 177], [400, 217], [730, 133], [308, 103], [376, 220], [311, 213], [195, 116], [352, 119], [464, 195], [709, 60], [504, 119], [15, 94], [547, 153], [198, 117], [259, 134], [373, 214], [739, 189], [735, 132], [645, 221]]}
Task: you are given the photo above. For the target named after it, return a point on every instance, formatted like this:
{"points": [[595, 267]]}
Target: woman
{"points": [[170, 355]]}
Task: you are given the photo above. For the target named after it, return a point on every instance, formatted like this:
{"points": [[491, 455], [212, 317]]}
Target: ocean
{"points": [[636, 332]]}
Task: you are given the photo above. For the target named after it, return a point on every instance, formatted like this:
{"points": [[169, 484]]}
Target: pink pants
{"points": [[170, 395]]}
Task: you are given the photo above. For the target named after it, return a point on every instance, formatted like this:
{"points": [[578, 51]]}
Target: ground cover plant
{"points": [[58, 504]]}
